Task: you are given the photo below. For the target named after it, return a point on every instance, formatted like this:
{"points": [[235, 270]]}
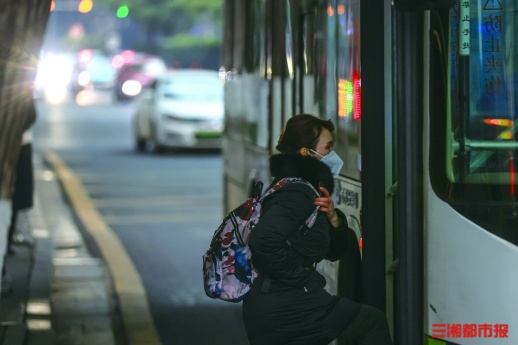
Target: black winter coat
{"points": [[288, 303]]}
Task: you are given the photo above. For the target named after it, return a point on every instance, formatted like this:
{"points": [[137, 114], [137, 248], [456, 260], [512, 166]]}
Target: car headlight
{"points": [[131, 87], [83, 78]]}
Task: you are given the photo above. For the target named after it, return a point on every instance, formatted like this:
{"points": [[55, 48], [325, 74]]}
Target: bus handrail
{"points": [[488, 144]]}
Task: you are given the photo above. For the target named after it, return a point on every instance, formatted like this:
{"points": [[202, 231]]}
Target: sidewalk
{"points": [[62, 293]]}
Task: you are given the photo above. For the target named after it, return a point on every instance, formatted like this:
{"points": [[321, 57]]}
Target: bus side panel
{"points": [[472, 275], [347, 279]]}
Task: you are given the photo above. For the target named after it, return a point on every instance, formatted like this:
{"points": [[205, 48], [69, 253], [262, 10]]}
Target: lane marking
{"points": [[136, 316]]}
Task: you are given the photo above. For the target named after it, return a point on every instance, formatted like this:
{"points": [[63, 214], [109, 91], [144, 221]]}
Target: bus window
{"points": [[233, 57], [238, 36], [255, 126], [329, 82], [348, 87], [329, 107], [317, 85], [483, 128], [255, 37], [246, 115], [479, 134], [227, 34], [305, 95]]}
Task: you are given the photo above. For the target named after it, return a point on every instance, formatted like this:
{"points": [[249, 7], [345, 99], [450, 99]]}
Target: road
{"points": [[163, 208]]}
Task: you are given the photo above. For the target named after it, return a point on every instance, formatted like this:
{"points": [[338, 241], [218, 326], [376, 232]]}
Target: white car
{"points": [[182, 109]]}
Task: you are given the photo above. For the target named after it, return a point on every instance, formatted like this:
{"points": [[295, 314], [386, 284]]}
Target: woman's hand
{"points": [[327, 206]]}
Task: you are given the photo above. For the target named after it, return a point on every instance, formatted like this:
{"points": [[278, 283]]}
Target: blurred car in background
{"points": [[93, 71], [182, 109], [135, 75]]}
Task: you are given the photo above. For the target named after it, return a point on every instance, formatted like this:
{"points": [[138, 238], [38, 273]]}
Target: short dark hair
{"points": [[302, 130]]}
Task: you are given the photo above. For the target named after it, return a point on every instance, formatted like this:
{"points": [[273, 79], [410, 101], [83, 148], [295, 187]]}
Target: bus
{"points": [[422, 96]]}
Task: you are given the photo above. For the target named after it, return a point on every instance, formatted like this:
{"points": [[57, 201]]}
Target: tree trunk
{"points": [[22, 26]]}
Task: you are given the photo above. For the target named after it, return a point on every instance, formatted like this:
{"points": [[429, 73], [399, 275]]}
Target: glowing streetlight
{"points": [[85, 6], [123, 11]]}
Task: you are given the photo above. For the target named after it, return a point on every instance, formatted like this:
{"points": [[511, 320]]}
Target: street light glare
{"points": [[123, 11], [85, 6]]}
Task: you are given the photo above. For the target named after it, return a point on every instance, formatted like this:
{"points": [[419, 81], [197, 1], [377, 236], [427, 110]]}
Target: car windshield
{"points": [[100, 67], [192, 87]]}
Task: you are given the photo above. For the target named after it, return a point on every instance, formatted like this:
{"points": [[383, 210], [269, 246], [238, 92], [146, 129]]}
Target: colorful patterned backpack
{"points": [[228, 273]]}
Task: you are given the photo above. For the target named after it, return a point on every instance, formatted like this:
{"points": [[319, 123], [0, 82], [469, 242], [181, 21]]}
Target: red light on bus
{"points": [[85, 6], [499, 122], [357, 105], [505, 134], [349, 97], [360, 243]]}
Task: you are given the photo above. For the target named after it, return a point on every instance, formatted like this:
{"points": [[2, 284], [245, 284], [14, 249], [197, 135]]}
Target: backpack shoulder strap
{"points": [[299, 180], [284, 181]]}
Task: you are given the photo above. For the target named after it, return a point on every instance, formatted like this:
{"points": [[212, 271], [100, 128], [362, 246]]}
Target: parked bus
{"points": [[422, 94]]}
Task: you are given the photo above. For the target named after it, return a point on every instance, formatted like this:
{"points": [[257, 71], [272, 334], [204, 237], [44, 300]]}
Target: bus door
{"points": [[472, 206], [327, 85], [348, 119]]}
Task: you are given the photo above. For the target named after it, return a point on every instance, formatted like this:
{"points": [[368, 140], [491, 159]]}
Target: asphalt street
{"points": [[163, 208]]}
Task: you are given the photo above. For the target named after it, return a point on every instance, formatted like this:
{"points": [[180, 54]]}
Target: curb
{"points": [[62, 294]]}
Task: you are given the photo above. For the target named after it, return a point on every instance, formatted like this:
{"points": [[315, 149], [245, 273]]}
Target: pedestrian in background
{"points": [[288, 303], [23, 197], [22, 201]]}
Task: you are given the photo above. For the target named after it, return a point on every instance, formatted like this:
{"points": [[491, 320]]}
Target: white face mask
{"points": [[333, 161]]}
